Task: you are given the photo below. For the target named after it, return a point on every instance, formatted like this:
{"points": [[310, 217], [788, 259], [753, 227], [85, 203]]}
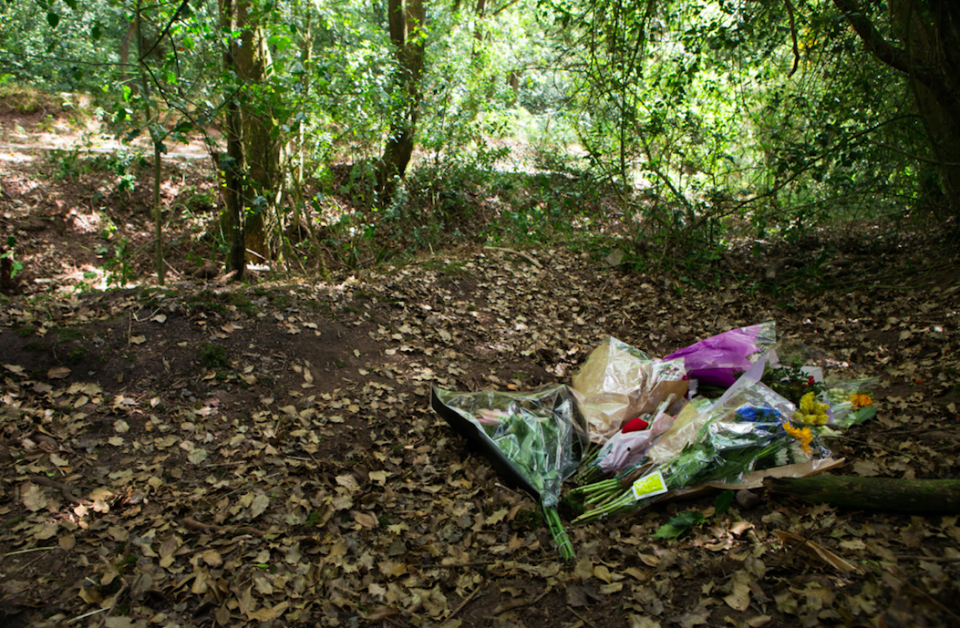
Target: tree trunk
{"points": [[7, 284], [935, 42], [153, 125], [232, 164], [478, 27], [261, 149], [902, 496], [125, 74], [158, 212], [251, 167], [234, 190], [928, 34], [407, 35]]}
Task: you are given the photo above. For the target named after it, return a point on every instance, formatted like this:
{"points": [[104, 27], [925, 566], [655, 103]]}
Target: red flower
{"points": [[635, 425], [810, 381]]}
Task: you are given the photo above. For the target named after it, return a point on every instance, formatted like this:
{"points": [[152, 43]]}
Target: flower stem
{"points": [[559, 534]]}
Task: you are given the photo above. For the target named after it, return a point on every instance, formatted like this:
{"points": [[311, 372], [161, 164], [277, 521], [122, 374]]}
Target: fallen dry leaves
{"points": [[266, 456]]}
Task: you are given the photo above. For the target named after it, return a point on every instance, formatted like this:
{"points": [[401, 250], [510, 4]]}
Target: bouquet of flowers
{"points": [[619, 383], [719, 360], [749, 428], [850, 401], [630, 444], [834, 402], [534, 439]]}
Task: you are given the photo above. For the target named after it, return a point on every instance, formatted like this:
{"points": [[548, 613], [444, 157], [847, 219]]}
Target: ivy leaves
{"points": [[683, 522]]}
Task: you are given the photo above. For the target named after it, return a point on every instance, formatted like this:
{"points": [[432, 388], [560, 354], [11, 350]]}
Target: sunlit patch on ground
{"points": [[15, 157], [84, 223]]}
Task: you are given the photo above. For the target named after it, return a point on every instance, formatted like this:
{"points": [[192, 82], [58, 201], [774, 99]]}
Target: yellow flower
{"points": [[811, 412], [801, 434], [860, 400]]}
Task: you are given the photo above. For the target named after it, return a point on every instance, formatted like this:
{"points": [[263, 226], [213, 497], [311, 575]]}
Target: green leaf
{"points": [[724, 500], [668, 531], [687, 519], [96, 32], [679, 524], [864, 414], [72, 4], [280, 42], [53, 19]]}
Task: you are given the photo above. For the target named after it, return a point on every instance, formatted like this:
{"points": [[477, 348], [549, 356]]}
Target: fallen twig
{"points": [[926, 596], [515, 604], [793, 552], [65, 490], [113, 604], [581, 617], [462, 604], [520, 253], [932, 559], [85, 615], [211, 527], [27, 551]]}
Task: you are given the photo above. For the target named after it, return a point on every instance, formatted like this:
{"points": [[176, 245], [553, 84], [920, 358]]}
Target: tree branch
{"points": [[738, 206], [876, 44], [889, 54], [793, 37], [166, 30]]}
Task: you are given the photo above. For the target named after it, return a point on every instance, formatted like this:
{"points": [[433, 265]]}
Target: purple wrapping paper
{"points": [[718, 360]]}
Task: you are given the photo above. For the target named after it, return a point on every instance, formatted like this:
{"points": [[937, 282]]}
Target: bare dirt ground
{"points": [[207, 454]]}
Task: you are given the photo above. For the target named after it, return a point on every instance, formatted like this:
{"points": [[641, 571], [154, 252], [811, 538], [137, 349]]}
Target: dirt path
{"points": [[23, 134]]}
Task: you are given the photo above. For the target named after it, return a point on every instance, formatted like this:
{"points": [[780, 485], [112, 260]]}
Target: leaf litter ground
{"points": [[264, 455], [222, 456]]}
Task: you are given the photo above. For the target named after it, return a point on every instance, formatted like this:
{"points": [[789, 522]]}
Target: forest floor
{"points": [[214, 454]]}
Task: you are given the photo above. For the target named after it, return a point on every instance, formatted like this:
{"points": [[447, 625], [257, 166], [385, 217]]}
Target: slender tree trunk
{"points": [[478, 28], [152, 125], [306, 54], [125, 74], [302, 214], [157, 212], [252, 162], [407, 35], [232, 164], [260, 144], [234, 190]]}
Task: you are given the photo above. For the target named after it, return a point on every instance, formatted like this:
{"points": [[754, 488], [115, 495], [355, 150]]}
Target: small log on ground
{"points": [[892, 495]]}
